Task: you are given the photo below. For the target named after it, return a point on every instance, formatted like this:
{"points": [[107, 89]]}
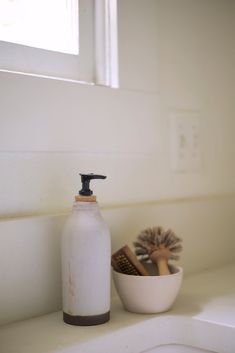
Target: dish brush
{"points": [[125, 261], [159, 246]]}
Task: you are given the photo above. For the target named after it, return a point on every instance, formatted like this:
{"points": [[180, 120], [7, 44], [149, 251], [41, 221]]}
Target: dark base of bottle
{"points": [[86, 320]]}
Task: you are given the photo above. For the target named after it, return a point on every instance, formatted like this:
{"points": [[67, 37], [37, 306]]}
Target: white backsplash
{"points": [[30, 247], [50, 130]]}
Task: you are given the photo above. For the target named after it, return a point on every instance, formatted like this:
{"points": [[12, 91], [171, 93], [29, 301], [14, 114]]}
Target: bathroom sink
{"points": [[177, 348]]}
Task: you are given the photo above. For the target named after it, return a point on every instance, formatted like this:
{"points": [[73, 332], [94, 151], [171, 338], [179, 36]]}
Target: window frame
{"points": [[99, 64]]}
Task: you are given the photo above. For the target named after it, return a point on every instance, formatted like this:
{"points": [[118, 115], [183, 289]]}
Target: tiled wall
{"points": [[30, 247], [173, 57]]}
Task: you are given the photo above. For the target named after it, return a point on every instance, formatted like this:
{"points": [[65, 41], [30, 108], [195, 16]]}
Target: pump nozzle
{"points": [[86, 178]]}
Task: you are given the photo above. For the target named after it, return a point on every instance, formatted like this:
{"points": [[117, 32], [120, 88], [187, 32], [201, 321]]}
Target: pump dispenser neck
{"points": [[85, 194]]}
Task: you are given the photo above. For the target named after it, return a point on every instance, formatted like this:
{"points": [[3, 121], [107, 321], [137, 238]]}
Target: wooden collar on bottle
{"points": [[81, 198]]}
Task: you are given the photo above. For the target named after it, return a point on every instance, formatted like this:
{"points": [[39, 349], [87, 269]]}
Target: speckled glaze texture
{"points": [[85, 253]]}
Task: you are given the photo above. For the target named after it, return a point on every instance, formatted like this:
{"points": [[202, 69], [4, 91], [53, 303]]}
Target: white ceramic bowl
{"points": [[148, 294]]}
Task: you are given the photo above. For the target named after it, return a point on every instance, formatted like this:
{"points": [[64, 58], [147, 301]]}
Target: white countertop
{"points": [[203, 316]]}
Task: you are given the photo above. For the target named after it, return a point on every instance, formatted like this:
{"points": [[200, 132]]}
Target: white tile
{"points": [[50, 115], [30, 248], [47, 182]]}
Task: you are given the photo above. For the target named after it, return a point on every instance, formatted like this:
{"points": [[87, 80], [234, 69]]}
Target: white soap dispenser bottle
{"points": [[86, 253]]}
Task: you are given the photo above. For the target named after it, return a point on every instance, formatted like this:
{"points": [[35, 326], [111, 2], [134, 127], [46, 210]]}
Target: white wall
{"points": [[30, 248], [174, 55]]}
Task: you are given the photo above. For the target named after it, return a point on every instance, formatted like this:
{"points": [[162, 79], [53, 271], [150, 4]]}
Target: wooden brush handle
{"points": [[163, 266], [160, 260]]}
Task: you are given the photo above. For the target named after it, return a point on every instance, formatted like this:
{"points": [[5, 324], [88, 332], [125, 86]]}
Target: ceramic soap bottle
{"points": [[86, 253]]}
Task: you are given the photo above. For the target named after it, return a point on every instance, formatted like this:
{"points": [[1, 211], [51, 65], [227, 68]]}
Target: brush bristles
{"points": [[157, 239], [125, 261]]}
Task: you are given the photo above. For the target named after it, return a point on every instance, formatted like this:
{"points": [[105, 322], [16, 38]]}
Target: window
{"points": [[68, 39], [59, 31]]}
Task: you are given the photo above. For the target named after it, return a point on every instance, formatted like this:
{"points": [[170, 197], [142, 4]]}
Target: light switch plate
{"points": [[185, 141]]}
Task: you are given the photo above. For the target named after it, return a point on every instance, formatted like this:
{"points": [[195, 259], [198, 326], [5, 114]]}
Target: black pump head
{"points": [[86, 178]]}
